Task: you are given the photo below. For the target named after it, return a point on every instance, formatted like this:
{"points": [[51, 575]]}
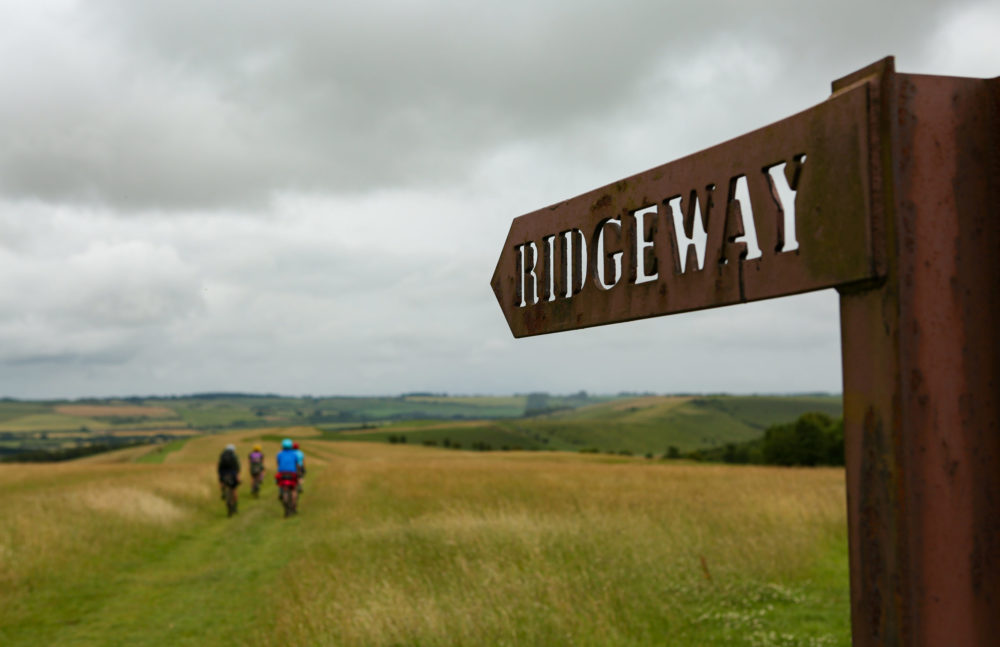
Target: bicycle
{"points": [[258, 478], [229, 495], [288, 483]]}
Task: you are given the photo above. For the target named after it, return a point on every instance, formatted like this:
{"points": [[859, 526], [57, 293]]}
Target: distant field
{"points": [[10, 410], [643, 425], [51, 422], [762, 411], [217, 415], [235, 411], [52, 427], [404, 545], [116, 410], [514, 402], [161, 431]]}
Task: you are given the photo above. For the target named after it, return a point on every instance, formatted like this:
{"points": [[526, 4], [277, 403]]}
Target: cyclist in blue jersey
{"points": [[302, 464], [288, 475]]}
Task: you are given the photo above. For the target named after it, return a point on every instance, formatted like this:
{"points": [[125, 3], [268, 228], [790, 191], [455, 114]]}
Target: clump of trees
{"points": [[813, 439]]}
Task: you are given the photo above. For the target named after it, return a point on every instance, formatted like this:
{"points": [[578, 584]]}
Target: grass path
{"points": [[210, 576], [160, 452], [213, 581]]}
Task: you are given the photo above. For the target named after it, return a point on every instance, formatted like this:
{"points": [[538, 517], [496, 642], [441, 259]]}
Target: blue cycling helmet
{"points": [[286, 443]]}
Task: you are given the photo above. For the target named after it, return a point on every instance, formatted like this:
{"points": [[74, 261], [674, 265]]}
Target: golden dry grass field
{"points": [[405, 545]]}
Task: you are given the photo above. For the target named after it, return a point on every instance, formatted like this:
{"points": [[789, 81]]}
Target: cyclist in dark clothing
{"points": [[229, 470]]}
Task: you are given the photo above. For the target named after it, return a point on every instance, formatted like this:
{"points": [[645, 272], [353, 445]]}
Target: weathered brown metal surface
{"points": [[898, 205], [921, 365], [827, 169]]}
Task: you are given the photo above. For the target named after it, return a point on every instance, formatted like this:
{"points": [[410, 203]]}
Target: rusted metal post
{"points": [[890, 191], [921, 363]]}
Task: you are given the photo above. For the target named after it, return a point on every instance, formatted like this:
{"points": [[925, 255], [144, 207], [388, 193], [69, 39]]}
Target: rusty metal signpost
{"points": [[888, 191]]}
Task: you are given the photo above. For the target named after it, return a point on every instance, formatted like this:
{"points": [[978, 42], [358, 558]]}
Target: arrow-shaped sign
{"points": [[781, 210]]}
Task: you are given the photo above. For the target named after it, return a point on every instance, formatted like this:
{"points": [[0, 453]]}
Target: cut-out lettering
{"points": [[689, 230], [740, 226], [603, 261], [547, 277], [784, 184], [572, 263], [525, 293], [627, 248], [644, 263]]}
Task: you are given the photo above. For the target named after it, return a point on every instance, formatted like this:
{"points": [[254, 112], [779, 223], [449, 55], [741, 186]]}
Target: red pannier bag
{"points": [[286, 479]]}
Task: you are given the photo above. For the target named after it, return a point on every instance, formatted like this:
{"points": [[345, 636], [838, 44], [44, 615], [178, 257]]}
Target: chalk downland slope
{"points": [[638, 425]]}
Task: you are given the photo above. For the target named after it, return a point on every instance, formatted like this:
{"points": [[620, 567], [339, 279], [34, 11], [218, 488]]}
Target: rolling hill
{"points": [[640, 425]]}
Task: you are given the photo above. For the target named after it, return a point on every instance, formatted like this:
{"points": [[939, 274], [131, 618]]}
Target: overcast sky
{"points": [[303, 198]]}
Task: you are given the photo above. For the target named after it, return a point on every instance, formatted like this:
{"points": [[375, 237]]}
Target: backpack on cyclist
{"points": [[228, 461], [256, 463]]}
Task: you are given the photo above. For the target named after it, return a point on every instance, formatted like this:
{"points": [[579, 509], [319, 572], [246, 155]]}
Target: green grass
{"points": [[496, 434], [370, 409], [200, 586], [140, 581], [158, 454], [556, 549], [683, 425], [11, 409], [216, 415], [416, 546], [761, 412]]}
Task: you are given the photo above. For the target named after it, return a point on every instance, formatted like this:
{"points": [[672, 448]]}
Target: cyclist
{"points": [[302, 464], [229, 470], [256, 458], [288, 471]]}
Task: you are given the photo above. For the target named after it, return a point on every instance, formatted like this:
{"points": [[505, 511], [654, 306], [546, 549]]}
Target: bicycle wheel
{"points": [[230, 501]]}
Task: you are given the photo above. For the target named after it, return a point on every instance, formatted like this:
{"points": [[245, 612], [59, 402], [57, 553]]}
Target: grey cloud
{"points": [[42, 340], [61, 360], [254, 196], [181, 105], [102, 303]]}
